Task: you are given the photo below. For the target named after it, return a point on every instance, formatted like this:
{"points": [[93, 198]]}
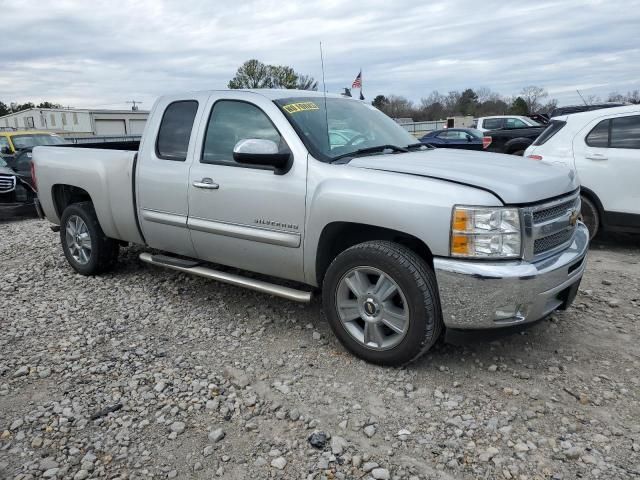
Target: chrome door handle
{"points": [[206, 183], [596, 156]]}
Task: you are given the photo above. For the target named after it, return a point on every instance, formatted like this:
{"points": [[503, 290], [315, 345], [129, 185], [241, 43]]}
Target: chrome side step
{"points": [[230, 278]]}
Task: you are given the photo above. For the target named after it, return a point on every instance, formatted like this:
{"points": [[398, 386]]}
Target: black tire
{"points": [[104, 250], [590, 216], [414, 278]]}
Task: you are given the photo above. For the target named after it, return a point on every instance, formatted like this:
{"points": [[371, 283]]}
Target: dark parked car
{"points": [[513, 141], [17, 190], [465, 138]]}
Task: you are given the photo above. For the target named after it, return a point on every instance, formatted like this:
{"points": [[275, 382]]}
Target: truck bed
{"points": [[106, 174]]}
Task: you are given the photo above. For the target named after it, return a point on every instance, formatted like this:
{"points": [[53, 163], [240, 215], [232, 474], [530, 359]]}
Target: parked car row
{"points": [[603, 147], [17, 189], [600, 142]]}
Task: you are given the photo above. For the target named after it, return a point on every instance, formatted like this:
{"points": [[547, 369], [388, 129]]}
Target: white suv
{"points": [[603, 147], [504, 121]]}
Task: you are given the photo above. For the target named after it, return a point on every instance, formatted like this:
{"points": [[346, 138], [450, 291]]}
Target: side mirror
{"points": [[6, 150], [469, 138], [257, 151]]}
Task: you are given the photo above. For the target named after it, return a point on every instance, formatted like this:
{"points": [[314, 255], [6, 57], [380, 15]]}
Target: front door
{"points": [[243, 216]]}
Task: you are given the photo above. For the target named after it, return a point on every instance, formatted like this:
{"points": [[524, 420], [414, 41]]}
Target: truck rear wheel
{"points": [[87, 249], [381, 301]]}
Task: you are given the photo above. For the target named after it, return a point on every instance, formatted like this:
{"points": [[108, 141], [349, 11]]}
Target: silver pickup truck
{"points": [[326, 192]]}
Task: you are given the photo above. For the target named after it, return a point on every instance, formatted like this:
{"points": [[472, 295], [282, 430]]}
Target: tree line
{"points": [[482, 102], [18, 107]]}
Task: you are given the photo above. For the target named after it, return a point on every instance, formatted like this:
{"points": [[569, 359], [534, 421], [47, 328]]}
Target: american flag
{"points": [[357, 83]]}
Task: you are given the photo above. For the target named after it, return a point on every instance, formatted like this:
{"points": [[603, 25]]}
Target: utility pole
{"points": [[134, 106]]}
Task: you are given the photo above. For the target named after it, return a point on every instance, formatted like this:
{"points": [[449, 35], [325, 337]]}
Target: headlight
{"points": [[485, 232]]}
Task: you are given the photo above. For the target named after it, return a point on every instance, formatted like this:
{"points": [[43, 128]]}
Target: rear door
{"points": [[162, 173], [244, 216], [607, 155]]}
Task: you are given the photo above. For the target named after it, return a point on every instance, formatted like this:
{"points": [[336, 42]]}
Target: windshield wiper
{"points": [[376, 149], [416, 145]]}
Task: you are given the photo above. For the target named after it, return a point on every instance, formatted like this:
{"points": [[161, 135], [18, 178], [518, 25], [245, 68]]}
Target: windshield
{"points": [[35, 140], [353, 126], [2, 163], [475, 133]]}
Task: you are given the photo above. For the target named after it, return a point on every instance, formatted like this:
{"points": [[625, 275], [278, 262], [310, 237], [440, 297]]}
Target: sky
{"points": [[87, 54]]}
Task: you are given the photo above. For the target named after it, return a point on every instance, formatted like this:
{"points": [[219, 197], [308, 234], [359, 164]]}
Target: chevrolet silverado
{"points": [[402, 240]]}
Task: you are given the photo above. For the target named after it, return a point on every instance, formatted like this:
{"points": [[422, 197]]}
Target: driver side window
{"points": [[232, 121]]}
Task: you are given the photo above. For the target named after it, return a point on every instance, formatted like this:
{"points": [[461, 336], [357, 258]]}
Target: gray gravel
{"points": [[147, 373]]}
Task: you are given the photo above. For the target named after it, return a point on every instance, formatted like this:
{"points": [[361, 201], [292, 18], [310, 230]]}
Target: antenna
{"points": [[134, 107], [585, 102], [324, 92]]}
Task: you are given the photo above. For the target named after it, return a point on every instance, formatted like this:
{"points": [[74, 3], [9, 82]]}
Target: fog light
{"points": [[510, 312]]}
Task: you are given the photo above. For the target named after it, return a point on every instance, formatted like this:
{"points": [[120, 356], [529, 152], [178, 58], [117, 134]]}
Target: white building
{"points": [[78, 121]]}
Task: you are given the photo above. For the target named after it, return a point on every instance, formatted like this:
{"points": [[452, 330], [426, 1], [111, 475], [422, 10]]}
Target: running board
{"points": [[230, 278]]}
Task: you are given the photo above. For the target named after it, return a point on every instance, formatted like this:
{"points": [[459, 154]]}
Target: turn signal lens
{"points": [[535, 157], [460, 244]]}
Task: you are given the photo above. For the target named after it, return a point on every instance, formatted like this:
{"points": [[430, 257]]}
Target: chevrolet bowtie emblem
{"points": [[573, 219]]}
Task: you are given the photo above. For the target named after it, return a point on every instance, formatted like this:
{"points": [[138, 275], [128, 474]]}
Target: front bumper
{"points": [[479, 295]]}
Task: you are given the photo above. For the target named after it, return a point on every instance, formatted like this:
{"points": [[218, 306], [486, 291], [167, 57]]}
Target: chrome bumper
{"points": [[478, 295]]}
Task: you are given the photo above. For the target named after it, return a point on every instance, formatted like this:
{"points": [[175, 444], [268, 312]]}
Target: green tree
{"points": [[467, 103], [251, 74], [519, 107], [255, 74], [283, 76], [306, 82], [4, 109], [379, 102]]}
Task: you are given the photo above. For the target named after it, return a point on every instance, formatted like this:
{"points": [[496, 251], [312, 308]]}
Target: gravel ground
{"points": [[148, 373]]}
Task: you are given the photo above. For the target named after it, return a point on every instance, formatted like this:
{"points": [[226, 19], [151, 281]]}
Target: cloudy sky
{"points": [[102, 53]]}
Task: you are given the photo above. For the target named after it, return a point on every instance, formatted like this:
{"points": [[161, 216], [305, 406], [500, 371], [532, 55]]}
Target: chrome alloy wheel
{"points": [[372, 308], [78, 239]]}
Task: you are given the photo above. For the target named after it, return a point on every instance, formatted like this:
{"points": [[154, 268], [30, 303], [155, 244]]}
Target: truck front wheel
{"points": [[381, 301], [87, 249]]}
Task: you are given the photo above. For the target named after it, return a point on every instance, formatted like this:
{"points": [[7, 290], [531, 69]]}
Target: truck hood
{"points": [[514, 180]]}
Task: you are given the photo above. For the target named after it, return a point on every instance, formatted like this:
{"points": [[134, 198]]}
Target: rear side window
{"points": [[554, 127], [514, 123], [175, 130], [492, 123], [599, 136], [625, 132]]}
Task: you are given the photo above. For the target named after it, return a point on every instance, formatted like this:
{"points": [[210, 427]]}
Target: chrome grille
{"points": [[552, 212], [550, 226], [7, 183], [550, 242]]}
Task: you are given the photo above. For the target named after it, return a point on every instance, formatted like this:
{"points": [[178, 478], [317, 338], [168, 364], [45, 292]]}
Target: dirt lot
{"points": [[147, 373]]}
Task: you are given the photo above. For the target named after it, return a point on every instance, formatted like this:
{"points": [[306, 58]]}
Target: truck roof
{"points": [[273, 93]]}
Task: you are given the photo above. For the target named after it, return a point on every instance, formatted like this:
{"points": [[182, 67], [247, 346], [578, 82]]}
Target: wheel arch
{"points": [[336, 237], [517, 144], [64, 195], [591, 195]]}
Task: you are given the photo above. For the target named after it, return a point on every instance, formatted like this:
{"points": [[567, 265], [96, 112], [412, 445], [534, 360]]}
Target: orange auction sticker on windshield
{"points": [[300, 107]]}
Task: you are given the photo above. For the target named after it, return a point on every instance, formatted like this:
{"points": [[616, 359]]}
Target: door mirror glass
{"points": [[259, 151]]}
